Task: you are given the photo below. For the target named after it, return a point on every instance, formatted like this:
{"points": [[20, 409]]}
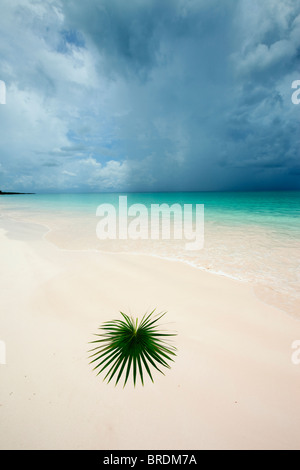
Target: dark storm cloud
{"points": [[137, 36], [207, 90], [153, 95]]}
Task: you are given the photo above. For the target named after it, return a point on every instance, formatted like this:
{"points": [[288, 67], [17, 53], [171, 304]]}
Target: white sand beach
{"points": [[233, 384]]}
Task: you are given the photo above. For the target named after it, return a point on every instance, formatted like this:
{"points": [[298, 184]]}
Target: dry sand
{"points": [[233, 384]]}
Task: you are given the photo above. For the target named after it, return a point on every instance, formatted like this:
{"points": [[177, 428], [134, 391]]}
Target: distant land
{"points": [[5, 193]]}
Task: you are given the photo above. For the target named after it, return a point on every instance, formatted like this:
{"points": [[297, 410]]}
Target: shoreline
{"points": [[232, 386], [258, 290], [2, 193]]}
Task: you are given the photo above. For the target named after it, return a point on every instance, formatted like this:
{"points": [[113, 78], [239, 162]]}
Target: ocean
{"points": [[249, 236]]}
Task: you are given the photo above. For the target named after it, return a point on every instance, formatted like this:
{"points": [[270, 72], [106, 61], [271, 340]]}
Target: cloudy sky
{"points": [[149, 95]]}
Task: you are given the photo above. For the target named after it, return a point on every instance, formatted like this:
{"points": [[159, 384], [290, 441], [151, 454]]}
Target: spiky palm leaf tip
{"points": [[127, 344]]}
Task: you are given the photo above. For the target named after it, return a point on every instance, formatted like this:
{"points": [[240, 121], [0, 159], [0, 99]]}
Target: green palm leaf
{"points": [[127, 345]]}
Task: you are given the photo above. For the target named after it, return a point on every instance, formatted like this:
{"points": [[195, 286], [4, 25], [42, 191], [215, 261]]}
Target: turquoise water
{"points": [[280, 210], [249, 236]]}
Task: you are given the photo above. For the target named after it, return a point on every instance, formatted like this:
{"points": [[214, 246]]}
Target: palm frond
{"points": [[129, 345]]}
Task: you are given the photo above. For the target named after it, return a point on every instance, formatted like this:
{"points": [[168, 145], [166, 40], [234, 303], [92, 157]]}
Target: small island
{"points": [[11, 193]]}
